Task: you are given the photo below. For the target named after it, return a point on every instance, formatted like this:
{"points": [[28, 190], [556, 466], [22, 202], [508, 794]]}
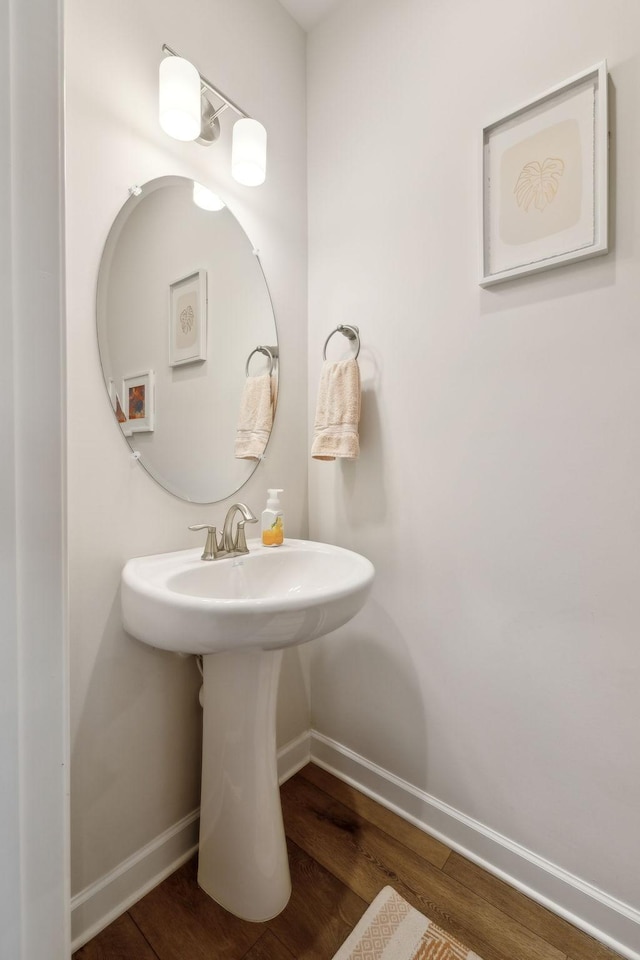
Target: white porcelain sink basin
{"points": [[270, 598], [240, 613]]}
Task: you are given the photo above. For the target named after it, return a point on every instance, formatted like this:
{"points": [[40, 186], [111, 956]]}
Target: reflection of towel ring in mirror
{"points": [[271, 352], [348, 331]]}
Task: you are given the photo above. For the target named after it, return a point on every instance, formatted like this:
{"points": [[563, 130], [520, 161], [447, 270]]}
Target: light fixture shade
{"points": [[180, 114], [249, 152], [206, 199]]}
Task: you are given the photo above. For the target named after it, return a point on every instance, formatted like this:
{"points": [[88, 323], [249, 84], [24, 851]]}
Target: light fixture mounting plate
{"points": [[210, 129]]}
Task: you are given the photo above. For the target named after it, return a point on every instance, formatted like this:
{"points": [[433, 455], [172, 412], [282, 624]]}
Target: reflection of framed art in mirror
{"points": [[188, 319], [138, 395], [118, 409]]}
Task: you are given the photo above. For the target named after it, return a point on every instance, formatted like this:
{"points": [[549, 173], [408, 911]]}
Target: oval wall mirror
{"points": [[184, 315]]}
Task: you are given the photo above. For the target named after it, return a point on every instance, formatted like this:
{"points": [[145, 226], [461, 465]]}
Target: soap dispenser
{"points": [[272, 521]]}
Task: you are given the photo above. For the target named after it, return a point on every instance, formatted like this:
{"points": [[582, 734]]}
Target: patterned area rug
{"points": [[391, 929]]}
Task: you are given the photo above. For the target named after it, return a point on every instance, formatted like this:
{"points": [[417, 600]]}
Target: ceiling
{"points": [[309, 12]]}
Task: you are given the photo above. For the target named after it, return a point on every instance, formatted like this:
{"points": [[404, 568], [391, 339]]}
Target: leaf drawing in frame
{"points": [[538, 183]]}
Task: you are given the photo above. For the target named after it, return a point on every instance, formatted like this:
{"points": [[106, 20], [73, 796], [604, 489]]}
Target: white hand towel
{"points": [[337, 412], [256, 417]]}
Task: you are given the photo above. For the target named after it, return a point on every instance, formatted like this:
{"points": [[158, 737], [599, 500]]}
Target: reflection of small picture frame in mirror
{"points": [[118, 408], [188, 319], [138, 409]]}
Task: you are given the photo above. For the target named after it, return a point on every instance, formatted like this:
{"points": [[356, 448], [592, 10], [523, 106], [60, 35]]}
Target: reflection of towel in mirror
{"points": [[256, 417], [337, 411]]}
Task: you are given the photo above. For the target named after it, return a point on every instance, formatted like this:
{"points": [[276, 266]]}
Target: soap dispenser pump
{"points": [[273, 521]]}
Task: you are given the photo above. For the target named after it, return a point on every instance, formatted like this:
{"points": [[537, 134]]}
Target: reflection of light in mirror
{"points": [[206, 199]]}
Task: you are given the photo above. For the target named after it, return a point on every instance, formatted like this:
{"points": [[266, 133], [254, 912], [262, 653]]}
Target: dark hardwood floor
{"points": [[343, 849]]}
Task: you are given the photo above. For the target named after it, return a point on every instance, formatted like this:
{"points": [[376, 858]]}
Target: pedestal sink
{"points": [[240, 613]]}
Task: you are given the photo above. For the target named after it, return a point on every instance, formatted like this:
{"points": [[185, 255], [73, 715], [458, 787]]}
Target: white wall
{"points": [[33, 670], [497, 665], [135, 719]]}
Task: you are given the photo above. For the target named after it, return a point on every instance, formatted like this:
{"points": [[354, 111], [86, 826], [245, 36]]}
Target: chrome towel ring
{"points": [[271, 352], [347, 330]]}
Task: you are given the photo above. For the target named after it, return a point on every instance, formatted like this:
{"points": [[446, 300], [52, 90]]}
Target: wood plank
{"points": [[366, 859], [321, 913], [417, 840], [547, 925], [269, 947], [179, 920], [121, 940]]}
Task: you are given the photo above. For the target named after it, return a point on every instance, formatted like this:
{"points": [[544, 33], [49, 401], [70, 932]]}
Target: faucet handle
{"points": [[241, 537], [211, 548]]}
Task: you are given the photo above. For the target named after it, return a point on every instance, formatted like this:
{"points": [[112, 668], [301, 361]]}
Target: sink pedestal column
{"points": [[243, 863]]}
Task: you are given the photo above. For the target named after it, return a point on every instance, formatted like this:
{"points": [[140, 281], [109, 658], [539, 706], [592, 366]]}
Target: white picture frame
{"points": [[545, 177], [138, 398], [188, 319]]}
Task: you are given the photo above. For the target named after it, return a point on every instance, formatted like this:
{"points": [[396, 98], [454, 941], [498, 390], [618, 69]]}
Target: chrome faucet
{"points": [[229, 545]]}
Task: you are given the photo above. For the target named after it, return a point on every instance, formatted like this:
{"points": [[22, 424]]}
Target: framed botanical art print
{"points": [[139, 400], [545, 181], [188, 319]]}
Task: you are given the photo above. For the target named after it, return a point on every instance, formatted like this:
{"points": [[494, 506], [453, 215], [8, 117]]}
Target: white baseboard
{"points": [[101, 902], [294, 756], [601, 916], [95, 907]]}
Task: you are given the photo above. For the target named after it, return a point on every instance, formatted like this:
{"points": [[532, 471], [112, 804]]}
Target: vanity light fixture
{"points": [[179, 101], [248, 152], [187, 113]]}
